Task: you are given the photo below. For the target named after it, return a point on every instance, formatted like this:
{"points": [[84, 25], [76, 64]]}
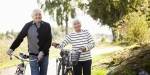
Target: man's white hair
{"points": [[36, 11]]}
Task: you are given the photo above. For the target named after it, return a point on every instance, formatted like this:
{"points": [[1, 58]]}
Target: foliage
{"points": [[111, 11], [136, 30], [148, 13], [61, 10]]}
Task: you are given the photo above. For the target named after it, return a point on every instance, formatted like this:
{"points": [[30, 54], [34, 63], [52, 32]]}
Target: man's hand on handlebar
{"points": [[55, 44], [10, 52]]}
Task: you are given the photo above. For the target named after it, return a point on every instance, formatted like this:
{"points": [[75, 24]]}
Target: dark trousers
{"points": [[84, 66]]}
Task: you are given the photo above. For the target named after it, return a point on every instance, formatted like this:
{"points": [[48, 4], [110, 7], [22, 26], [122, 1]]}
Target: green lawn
{"points": [[97, 69]]}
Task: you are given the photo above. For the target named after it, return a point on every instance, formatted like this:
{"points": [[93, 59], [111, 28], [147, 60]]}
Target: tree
{"points": [[61, 10], [110, 12]]}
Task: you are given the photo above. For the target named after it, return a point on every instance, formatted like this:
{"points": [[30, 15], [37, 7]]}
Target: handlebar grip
{"points": [[10, 57]]}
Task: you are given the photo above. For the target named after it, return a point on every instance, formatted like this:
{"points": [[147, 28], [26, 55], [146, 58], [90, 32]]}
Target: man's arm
{"points": [[19, 38], [48, 41]]}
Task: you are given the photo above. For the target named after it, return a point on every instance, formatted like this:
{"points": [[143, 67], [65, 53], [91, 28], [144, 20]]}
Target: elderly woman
{"points": [[80, 40], [39, 38]]}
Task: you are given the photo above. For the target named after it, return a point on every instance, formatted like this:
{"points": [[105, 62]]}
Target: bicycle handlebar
{"points": [[22, 59]]}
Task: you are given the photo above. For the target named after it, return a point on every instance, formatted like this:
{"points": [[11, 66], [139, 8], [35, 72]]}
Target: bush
{"points": [[136, 28]]}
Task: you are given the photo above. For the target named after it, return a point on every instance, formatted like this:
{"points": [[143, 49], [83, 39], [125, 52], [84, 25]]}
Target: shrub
{"points": [[136, 28]]}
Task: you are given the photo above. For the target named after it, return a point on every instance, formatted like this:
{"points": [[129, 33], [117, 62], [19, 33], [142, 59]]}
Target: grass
{"points": [[97, 69], [4, 58]]}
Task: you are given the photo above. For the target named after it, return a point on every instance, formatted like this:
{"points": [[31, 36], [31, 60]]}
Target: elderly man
{"points": [[39, 38], [80, 40]]}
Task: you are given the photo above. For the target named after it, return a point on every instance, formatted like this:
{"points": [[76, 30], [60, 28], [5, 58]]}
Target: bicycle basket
{"points": [[75, 57]]}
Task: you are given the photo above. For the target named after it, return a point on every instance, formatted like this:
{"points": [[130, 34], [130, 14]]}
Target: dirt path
{"points": [[52, 62]]}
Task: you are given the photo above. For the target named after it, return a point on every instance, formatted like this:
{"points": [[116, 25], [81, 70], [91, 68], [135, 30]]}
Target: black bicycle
{"points": [[64, 64], [22, 66]]}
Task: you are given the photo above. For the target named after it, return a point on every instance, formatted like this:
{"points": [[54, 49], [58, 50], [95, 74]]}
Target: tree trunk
{"points": [[66, 21], [66, 29], [114, 34]]}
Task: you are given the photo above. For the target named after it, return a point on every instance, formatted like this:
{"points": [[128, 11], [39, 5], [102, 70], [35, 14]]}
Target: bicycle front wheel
{"points": [[59, 69], [69, 72]]}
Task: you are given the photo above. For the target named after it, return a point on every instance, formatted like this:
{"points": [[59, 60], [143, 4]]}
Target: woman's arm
{"points": [[91, 43], [65, 42]]}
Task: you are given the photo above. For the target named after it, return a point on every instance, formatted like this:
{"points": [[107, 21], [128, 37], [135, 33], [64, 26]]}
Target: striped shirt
{"points": [[78, 40]]}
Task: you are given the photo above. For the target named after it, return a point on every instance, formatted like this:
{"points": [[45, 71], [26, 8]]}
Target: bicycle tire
{"points": [[19, 73], [19, 70], [63, 69], [69, 72], [58, 69]]}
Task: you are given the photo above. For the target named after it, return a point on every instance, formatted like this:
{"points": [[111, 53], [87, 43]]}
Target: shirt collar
{"points": [[34, 22]]}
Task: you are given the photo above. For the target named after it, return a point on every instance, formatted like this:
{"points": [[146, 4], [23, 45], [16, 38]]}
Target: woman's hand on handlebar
{"points": [[83, 49], [55, 44]]}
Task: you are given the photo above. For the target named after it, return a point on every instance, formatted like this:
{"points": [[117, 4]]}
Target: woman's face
{"points": [[37, 16], [77, 26]]}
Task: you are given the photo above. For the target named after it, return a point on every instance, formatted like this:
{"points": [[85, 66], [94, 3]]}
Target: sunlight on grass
{"points": [[99, 71], [97, 60]]}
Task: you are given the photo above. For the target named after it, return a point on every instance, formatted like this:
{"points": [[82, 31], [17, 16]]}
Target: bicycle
{"points": [[64, 64], [22, 66]]}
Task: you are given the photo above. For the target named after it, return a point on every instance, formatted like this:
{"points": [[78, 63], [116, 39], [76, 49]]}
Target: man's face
{"points": [[37, 16], [77, 26]]}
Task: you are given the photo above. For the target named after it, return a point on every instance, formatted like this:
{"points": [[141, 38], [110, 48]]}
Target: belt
{"points": [[33, 54]]}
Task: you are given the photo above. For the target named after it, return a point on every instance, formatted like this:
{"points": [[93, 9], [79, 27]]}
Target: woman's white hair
{"points": [[36, 11], [76, 20]]}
